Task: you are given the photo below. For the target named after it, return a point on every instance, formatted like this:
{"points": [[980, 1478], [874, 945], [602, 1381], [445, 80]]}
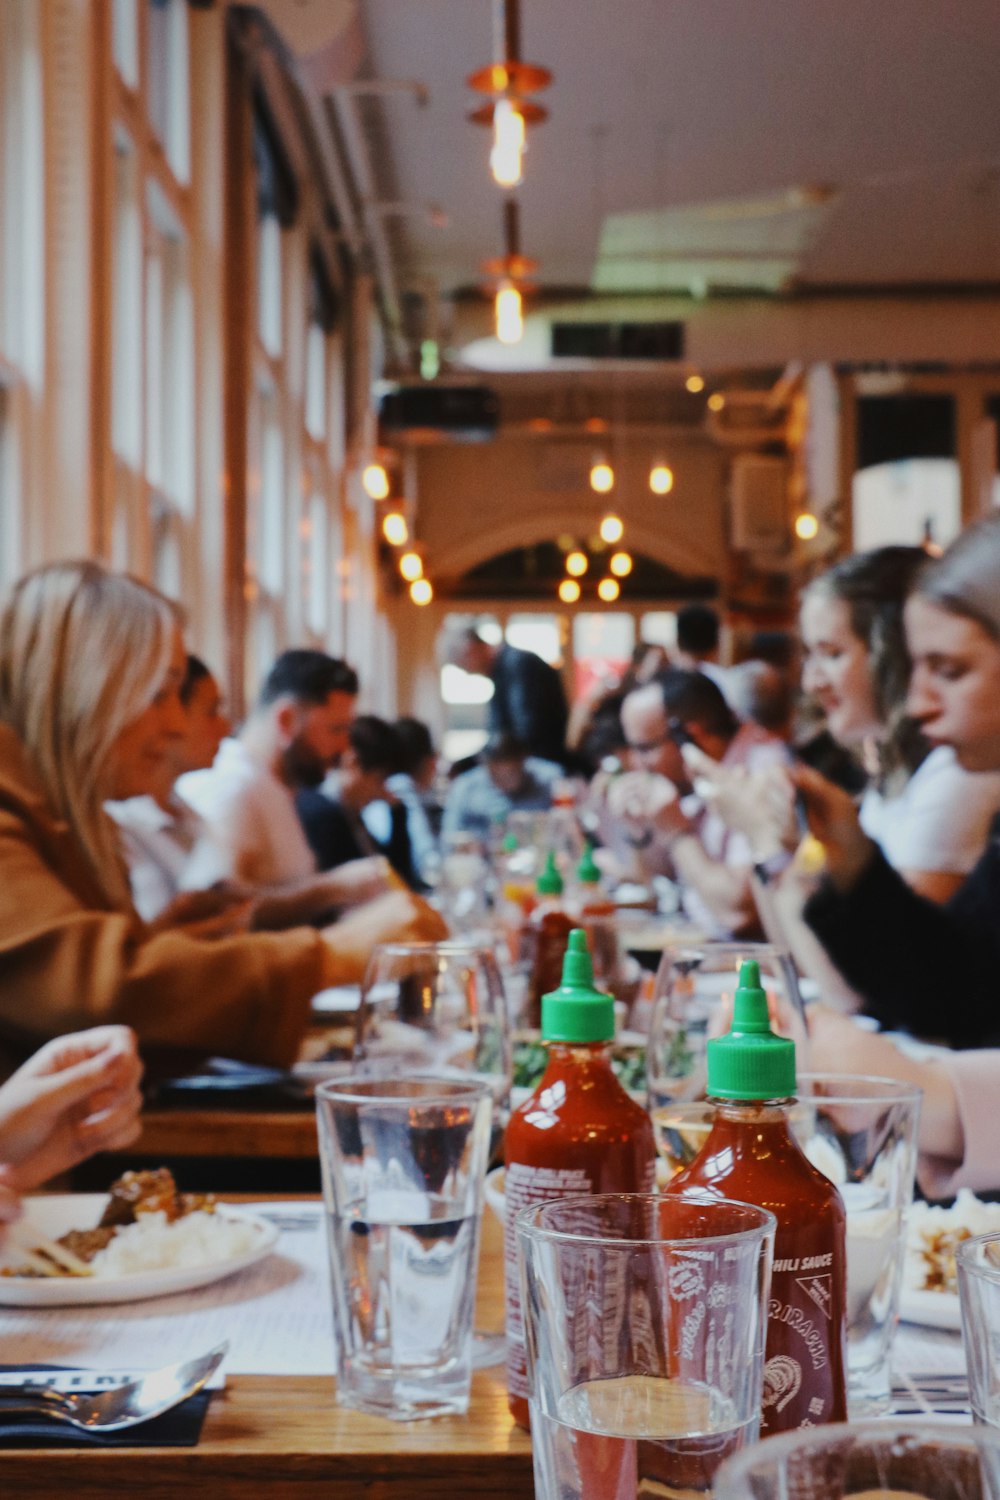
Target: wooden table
{"points": [[168, 1133], [286, 1437]]}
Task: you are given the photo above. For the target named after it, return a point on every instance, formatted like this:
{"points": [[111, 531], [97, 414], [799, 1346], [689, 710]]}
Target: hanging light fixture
{"points": [[661, 478], [612, 529], [569, 591], [411, 566], [716, 401], [577, 563], [421, 591], [508, 313], [608, 589], [508, 81], [507, 275], [694, 384], [394, 528], [806, 526], [621, 564], [602, 476], [375, 478], [508, 144]]}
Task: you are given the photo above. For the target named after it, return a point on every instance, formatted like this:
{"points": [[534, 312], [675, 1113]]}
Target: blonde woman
{"points": [[91, 663]]}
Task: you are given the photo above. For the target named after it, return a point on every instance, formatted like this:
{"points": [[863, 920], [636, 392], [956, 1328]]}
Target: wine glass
{"points": [[439, 1008], [436, 1008], [693, 985]]}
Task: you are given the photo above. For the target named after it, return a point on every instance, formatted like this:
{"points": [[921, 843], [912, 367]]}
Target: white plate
{"points": [[940, 1309], [53, 1216], [338, 1000], [932, 1309]]}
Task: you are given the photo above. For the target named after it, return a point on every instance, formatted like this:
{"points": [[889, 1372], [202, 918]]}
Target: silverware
{"points": [[119, 1406]]}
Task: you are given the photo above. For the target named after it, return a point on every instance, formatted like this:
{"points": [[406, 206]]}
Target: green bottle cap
{"points": [[588, 872], [509, 843], [550, 882], [750, 1062], [576, 1011]]}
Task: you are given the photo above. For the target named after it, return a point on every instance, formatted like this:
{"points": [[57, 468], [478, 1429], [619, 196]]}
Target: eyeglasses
{"points": [[677, 733]]}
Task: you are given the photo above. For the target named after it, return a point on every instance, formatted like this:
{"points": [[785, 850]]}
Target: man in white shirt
{"points": [[295, 734], [654, 809]]}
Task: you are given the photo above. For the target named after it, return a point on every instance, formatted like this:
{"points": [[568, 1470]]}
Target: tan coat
{"points": [[67, 961]]}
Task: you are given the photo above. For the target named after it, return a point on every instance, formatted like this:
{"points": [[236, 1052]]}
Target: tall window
{"points": [[152, 313], [296, 587], [21, 263]]}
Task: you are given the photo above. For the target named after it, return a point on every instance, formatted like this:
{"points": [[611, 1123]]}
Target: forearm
{"points": [[724, 890], [305, 903]]}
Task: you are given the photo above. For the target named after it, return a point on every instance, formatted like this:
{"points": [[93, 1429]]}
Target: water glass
{"points": [[403, 1162], [978, 1264], [862, 1134], [644, 1321], [694, 983], [435, 1008], [867, 1461]]}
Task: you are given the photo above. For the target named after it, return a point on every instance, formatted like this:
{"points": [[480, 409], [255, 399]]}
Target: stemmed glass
{"points": [[439, 1008], [693, 984], [436, 1008]]}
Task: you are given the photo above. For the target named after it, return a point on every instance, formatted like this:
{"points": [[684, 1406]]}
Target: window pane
{"points": [[22, 259], [659, 628], [316, 554], [126, 312], [602, 649], [125, 40], [906, 503], [269, 284], [538, 633], [316, 381], [168, 84]]}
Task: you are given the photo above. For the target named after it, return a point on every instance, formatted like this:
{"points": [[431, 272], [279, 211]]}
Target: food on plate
{"points": [[147, 1225], [934, 1234]]}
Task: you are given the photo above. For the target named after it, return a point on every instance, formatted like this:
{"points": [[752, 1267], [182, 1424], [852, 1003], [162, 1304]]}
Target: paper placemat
{"points": [[276, 1315]]}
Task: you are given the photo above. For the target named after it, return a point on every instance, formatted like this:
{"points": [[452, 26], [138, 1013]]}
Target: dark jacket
{"points": [[933, 970], [529, 702], [337, 836]]}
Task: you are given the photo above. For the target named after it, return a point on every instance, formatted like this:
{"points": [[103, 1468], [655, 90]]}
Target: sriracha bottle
{"points": [[578, 1133], [751, 1154]]}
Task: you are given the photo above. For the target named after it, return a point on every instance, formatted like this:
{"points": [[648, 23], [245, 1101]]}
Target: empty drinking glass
{"points": [[435, 1008]]}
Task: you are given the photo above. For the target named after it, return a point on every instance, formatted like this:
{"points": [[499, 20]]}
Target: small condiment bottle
{"points": [[545, 936], [578, 1133], [752, 1155]]}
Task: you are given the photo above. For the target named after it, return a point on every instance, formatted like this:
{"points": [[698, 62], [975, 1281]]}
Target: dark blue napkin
{"points": [[179, 1428]]}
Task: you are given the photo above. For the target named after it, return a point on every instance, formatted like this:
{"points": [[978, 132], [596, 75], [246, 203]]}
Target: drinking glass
{"points": [[693, 982], [912, 1461], [978, 1264], [435, 1008], [462, 891], [862, 1134], [439, 1008], [644, 1322], [403, 1162]]}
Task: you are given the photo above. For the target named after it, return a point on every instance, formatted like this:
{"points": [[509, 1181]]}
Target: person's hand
{"points": [[399, 916], [833, 820], [759, 804], [218, 912], [361, 880], [641, 800], [77, 1095]]}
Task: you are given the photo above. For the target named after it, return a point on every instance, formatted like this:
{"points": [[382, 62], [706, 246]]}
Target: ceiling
{"points": [[694, 147]]}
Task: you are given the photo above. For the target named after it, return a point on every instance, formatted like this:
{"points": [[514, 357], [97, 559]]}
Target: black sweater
{"points": [[933, 970]]}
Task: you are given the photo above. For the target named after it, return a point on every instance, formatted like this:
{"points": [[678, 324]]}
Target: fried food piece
{"points": [[86, 1243], [138, 1193]]}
